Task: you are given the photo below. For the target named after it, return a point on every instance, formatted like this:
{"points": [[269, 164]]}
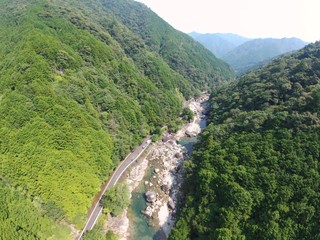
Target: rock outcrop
{"points": [[151, 196], [165, 188]]}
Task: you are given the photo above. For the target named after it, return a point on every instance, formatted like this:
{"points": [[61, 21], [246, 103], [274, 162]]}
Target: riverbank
{"points": [[162, 185], [120, 224]]}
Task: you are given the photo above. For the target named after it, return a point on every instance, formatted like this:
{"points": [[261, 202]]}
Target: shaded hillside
{"points": [[219, 43], [255, 172], [79, 88], [257, 52]]}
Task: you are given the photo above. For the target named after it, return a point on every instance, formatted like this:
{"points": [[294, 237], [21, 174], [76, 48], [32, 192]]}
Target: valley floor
{"points": [[164, 159]]}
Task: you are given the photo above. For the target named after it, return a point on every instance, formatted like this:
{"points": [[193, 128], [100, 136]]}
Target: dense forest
{"points": [[254, 173], [81, 84]]}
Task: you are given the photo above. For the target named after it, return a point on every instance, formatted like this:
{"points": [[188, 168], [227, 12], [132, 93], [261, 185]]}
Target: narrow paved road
{"points": [[112, 181]]}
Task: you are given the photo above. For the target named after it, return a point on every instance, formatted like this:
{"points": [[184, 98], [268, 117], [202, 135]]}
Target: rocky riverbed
{"points": [[163, 186], [165, 183]]}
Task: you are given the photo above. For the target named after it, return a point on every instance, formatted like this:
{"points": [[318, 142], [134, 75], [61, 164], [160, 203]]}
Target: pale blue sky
{"points": [[249, 18]]}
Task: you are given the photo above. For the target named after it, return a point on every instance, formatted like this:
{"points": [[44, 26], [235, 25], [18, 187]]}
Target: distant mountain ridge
{"points": [[257, 52], [219, 43], [244, 54]]}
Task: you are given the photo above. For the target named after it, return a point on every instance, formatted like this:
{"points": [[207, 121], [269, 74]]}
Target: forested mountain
{"points": [[219, 43], [255, 172], [81, 83], [257, 52], [179, 51], [244, 54]]}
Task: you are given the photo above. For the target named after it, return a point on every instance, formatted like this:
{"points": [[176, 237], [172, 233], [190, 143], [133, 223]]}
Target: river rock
{"points": [[151, 196], [148, 211], [166, 138], [176, 170], [171, 204], [178, 155], [119, 225], [190, 133], [165, 188], [156, 170]]}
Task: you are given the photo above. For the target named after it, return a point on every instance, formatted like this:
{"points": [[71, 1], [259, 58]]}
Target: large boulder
{"points": [[189, 133], [193, 130], [151, 196]]}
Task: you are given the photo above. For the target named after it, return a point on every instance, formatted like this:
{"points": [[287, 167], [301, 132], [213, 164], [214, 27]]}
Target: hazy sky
{"points": [[249, 18]]}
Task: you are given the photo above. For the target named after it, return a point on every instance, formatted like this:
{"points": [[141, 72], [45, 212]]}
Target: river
{"points": [[143, 227]]}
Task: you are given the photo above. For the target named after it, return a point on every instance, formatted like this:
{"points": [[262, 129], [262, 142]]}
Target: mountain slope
{"points": [[255, 172], [78, 90], [187, 57], [219, 43], [254, 53]]}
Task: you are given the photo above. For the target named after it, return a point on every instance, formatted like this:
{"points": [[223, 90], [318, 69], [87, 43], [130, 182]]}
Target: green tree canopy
{"points": [[116, 199], [254, 173]]}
